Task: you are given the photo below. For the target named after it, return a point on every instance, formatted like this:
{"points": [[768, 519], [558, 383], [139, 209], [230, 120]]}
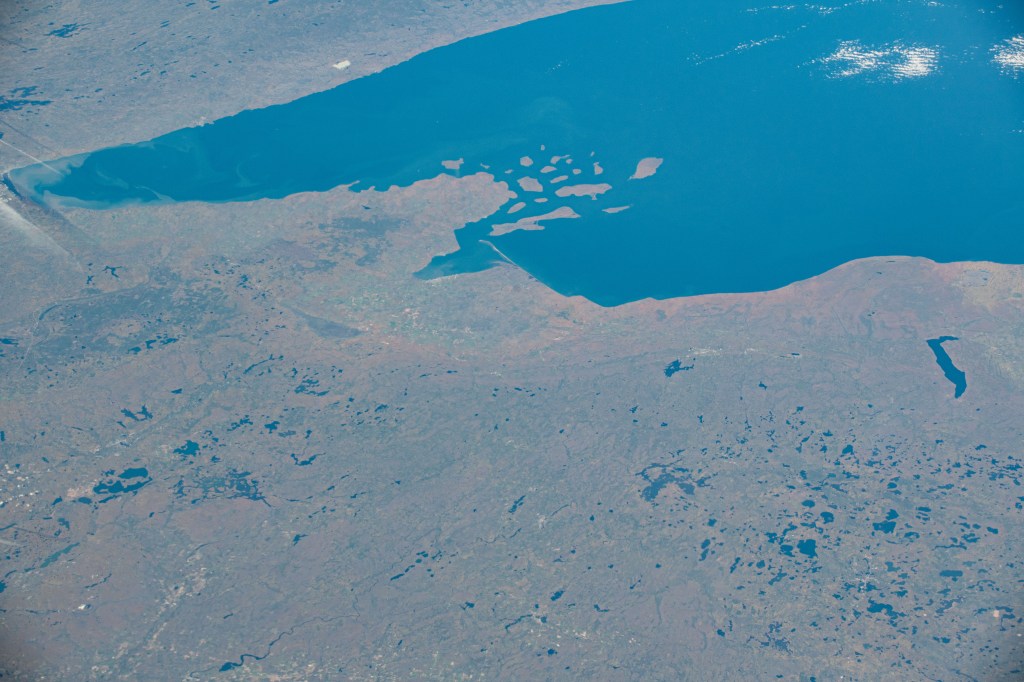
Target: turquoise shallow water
{"points": [[793, 140]]}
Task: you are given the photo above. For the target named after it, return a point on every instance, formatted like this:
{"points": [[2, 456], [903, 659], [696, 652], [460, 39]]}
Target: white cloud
{"points": [[894, 61], [1009, 55]]}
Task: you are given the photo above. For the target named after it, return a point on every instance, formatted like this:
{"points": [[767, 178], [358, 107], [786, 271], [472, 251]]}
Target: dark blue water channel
{"points": [[793, 140]]}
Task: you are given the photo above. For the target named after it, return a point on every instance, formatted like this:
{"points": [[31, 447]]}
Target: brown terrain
{"points": [[242, 442]]}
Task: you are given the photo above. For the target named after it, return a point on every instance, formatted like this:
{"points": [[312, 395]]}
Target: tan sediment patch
{"points": [[533, 222], [530, 184], [646, 168], [586, 190]]}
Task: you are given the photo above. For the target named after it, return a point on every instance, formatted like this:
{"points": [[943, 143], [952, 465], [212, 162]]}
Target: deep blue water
{"points": [[779, 163], [955, 375]]}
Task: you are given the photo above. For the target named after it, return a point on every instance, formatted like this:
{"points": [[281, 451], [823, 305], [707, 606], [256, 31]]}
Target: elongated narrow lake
{"points": [[956, 376], [703, 147]]}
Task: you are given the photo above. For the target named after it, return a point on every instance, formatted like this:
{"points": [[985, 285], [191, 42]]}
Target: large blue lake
{"points": [[790, 140]]}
